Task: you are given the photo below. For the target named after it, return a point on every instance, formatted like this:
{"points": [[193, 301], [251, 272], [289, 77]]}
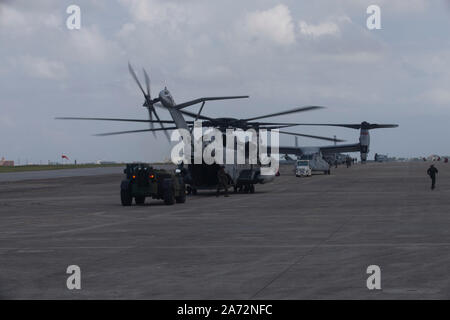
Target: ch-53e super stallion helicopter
{"points": [[204, 176]]}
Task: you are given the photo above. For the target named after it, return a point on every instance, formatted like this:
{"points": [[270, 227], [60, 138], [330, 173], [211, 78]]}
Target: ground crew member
{"points": [[348, 162], [222, 180], [335, 163], [432, 171]]}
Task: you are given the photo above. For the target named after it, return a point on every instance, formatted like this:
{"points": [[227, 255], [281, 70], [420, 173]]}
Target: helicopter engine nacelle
{"points": [[364, 141]]}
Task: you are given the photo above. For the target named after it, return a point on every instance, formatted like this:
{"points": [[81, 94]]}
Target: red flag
{"points": [[65, 157]]}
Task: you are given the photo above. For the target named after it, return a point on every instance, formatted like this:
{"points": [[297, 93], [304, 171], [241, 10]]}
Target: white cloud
{"points": [[90, 45], [168, 13], [10, 17], [274, 24], [126, 30], [321, 29], [39, 67], [14, 21]]}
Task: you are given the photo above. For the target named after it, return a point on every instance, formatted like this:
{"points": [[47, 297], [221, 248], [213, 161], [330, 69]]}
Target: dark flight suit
{"points": [[222, 180], [335, 163], [432, 171]]}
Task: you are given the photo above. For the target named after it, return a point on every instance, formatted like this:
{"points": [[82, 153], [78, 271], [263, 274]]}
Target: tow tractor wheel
{"points": [[168, 192], [169, 198], [125, 198], [182, 197], [125, 193]]}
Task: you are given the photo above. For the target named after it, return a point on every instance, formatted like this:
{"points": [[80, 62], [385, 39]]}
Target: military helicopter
{"points": [[204, 176]]}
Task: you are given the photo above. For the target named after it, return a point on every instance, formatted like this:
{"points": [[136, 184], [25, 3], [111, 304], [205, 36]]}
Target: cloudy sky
{"points": [[282, 53]]}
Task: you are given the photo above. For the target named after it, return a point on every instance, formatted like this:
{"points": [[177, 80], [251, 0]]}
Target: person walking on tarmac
{"points": [[335, 163], [432, 171], [348, 161], [222, 181]]}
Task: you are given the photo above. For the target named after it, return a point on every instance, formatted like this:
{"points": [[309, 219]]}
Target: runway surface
{"points": [[59, 173], [296, 238], [64, 173]]}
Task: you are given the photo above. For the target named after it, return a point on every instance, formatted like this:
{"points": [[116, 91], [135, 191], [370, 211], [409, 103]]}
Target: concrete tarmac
{"points": [[296, 238], [65, 173], [58, 173]]}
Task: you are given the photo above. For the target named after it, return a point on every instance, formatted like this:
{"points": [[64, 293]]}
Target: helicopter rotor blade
{"points": [[312, 136], [364, 125], [383, 126], [276, 127], [295, 110], [132, 131], [133, 74], [187, 113], [152, 125], [161, 124], [147, 83], [115, 119]]}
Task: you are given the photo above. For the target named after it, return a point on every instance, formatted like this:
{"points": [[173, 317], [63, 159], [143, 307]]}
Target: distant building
{"points": [[105, 162], [6, 163]]}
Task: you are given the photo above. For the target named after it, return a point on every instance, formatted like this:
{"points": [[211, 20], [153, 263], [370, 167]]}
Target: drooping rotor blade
{"points": [[192, 102], [161, 124], [311, 136], [132, 131], [133, 74], [352, 126], [147, 83], [295, 110], [194, 115], [150, 116], [186, 113], [382, 126], [258, 123], [116, 119], [276, 127]]}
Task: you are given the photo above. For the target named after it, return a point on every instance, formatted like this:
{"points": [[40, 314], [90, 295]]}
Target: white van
{"points": [[302, 168]]}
